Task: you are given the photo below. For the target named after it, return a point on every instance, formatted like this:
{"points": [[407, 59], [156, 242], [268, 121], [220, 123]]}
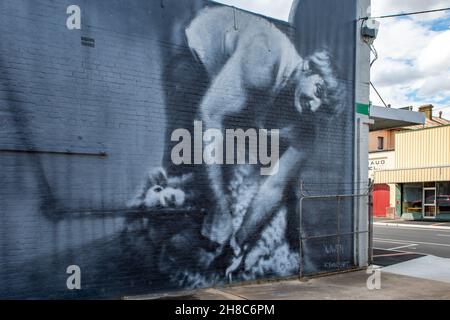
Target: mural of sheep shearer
{"points": [[248, 76], [165, 145]]}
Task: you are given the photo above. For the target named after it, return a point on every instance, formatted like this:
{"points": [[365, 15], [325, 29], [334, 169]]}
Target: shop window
{"points": [[380, 143], [412, 198], [443, 198]]}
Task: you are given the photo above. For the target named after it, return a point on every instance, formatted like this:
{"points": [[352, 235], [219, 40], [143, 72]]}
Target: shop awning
{"points": [[413, 175], [391, 118]]}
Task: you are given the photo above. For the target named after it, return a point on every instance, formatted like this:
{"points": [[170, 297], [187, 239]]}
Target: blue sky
{"points": [[414, 52]]}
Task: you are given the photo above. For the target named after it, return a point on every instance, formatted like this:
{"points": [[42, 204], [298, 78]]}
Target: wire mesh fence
{"points": [[328, 228]]}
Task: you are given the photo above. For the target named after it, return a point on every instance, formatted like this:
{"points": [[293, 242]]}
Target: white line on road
{"points": [[386, 241], [443, 235], [415, 252], [409, 242], [403, 247]]}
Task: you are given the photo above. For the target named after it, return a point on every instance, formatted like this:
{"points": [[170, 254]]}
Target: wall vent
{"points": [[88, 42]]}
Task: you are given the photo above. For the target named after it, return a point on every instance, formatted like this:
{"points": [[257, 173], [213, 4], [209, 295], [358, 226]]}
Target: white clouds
{"points": [[436, 86], [436, 56], [414, 63], [434, 64]]}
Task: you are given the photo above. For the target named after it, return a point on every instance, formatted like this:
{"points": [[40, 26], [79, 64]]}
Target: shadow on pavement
{"points": [[386, 258]]}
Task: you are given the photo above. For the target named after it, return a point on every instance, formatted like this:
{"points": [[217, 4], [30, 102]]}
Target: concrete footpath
{"points": [[345, 286], [427, 267]]}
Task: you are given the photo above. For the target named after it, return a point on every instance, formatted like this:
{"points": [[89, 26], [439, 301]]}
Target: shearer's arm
{"points": [[225, 96], [248, 68], [268, 198]]}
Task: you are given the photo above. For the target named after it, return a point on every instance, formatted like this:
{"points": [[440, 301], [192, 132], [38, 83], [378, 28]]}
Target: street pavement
{"points": [[344, 286], [415, 264], [427, 267], [432, 241], [420, 250]]}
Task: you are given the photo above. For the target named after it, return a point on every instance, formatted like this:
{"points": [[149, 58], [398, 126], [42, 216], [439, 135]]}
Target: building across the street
{"points": [[411, 170]]}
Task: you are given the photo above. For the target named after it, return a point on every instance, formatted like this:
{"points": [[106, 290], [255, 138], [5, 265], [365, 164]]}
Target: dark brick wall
{"points": [[60, 96], [79, 126], [69, 103]]}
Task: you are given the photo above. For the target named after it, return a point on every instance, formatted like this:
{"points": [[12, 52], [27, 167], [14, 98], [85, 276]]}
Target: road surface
{"points": [[415, 240]]}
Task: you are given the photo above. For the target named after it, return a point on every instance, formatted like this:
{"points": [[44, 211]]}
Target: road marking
{"points": [[382, 240], [393, 254], [408, 242], [408, 252], [395, 248], [402, 247], [443, 235]]}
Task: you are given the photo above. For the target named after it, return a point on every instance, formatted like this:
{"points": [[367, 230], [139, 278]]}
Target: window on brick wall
{"points": [[380, 143]]}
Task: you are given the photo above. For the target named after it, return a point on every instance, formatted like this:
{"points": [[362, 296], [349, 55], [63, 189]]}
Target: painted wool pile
{"points": [[271, 254]]}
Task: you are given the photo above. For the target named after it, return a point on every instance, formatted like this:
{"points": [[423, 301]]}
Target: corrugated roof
{"points": [[436, 122]]}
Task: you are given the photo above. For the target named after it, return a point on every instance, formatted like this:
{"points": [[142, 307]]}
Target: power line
{"points": [[407, 14], [375, 53], [394, 16]]}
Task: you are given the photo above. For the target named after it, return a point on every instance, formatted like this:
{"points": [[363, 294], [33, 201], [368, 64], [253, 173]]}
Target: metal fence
{"points": [[340, 233]]}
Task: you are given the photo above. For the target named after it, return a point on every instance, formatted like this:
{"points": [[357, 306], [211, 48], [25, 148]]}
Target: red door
{"points": [[381, 194]]}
